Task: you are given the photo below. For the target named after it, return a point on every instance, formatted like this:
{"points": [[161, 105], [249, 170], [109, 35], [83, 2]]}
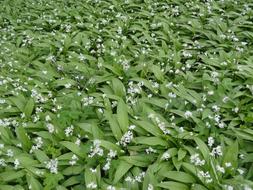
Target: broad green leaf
{"points": [[122, 116], [11, 175], [29, 107], [173, 185], [152, 141], [74, 148], [122, 169], [179, 176], [118, 88], [22, 136]]}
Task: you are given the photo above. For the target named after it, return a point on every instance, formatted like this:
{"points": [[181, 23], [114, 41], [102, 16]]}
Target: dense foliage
{"points": [[131, 94]]}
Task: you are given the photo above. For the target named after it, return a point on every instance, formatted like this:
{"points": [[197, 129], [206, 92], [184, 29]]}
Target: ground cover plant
{"points": [[131, 94]]}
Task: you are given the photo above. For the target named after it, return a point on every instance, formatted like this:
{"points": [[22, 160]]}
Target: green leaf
{"points": [[122, 116], [22, 136], [149, 127], [34, 183], [118, 88], [138, 160], [231, 154], [181, 154], [122, 169], [152, 141], [179, 176], [11, 175], [41, 156], [203, 148], [74, 148], [173, 185], [198, 187], [113, 125], [29, 108]]}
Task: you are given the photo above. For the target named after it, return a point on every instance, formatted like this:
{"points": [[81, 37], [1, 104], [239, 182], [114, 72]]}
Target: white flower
{"points": [[16, 164], [2, 162], [246, 187], [95, 149], [92, 185], [210, 141], [216, 108], [210, 93], [220, 169], [205, 175], [52, 165], [236, 109], [241, 171], [93, 170], [225, 99], [126, 138], [229, 187], [112, 153], [150, 187], [188, 114], [110, 187], [172, 95], [78, 142], [50, 127], [107, 166], [131, 127], [47, 118], [196, 160], [68, 85], [73, 160], [69, 131], [10, 153], [228, 164], [216, 151], [165, 156], [129, 179], [150, 150], [1, 146], [87, 100]]}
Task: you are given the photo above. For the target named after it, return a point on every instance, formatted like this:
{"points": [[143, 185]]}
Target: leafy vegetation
{"points": [[133, 94]]}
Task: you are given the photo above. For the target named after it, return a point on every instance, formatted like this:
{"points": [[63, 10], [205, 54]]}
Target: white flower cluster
{"points": [[50, 127], [16, 164], [52, 165], [165, 156], [133, 90], [137, 178], [127, 137], [195, 159], [96, 149], [187, 114], [2, 162], [10, 153], [38, 96], [150, 150], [110, 187], [73, 160], [69, 131], [217, 151], [112, 154], [150, 187], [88, 100], [160, 123], [205, 176], [92, 185], [210, 141], [220, 169], [38, 144]]}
